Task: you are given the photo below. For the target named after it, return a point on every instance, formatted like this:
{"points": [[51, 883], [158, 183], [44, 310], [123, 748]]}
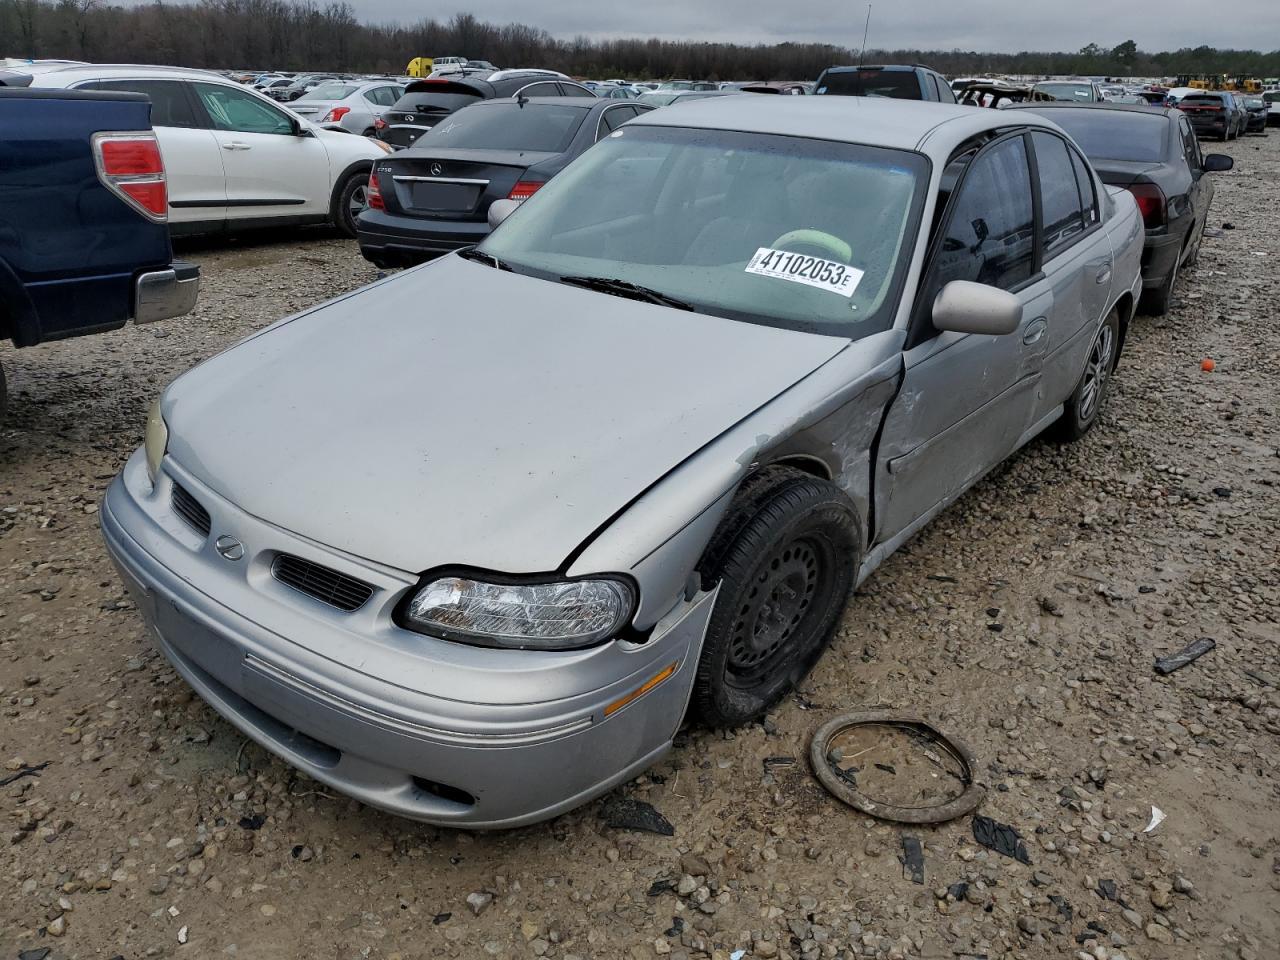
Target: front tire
{"points": [[785, 557], [1085, 404], [350, 201]]}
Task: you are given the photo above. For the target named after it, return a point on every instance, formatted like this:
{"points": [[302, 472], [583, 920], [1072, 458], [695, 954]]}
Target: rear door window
{"points": [[1062, 219], [170, 106], [1088, 195], [573, 90]]}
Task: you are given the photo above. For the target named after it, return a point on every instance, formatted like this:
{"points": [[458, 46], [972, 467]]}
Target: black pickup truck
{"points": [[84, 238]]}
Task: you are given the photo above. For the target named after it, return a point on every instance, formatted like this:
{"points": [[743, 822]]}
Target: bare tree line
{"points": [[305, 35]]}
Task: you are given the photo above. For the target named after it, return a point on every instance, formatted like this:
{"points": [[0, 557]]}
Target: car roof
{"points": [[1146, 108], [903, 67], [91, 71], [878, 121], [586, 103]]}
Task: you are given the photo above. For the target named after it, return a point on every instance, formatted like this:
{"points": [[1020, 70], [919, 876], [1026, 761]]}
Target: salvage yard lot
{"points": [[1025, 620]]}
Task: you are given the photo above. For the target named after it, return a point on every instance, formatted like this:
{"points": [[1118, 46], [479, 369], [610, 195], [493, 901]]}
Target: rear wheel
{"points": [[351, 199], [1090, 395], [785, 557]]}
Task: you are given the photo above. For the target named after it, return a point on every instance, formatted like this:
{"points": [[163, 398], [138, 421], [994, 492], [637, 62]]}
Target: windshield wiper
{"points": [[624, 288], [474, 253]]}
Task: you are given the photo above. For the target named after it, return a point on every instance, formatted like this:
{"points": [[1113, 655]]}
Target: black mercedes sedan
{"points": [[1154, 154], [434, 197]]}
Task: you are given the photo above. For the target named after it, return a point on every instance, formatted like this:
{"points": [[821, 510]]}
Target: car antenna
{"points": [[865, 30]]}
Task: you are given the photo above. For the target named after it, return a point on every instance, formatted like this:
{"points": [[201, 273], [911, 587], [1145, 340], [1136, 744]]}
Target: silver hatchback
{"points": [[478, 571]]}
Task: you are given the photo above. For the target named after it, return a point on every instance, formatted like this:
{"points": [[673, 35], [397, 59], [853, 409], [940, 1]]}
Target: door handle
{"points": [[1104, 274], [235, 145], [1035, 330]]}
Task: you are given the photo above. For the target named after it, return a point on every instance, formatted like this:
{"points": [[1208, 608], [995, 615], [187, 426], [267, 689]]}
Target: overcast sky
{"points": [[996, 25]]}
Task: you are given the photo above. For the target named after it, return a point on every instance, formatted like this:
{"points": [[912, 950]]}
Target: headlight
{"points": [[157, 439], [541, 616]]}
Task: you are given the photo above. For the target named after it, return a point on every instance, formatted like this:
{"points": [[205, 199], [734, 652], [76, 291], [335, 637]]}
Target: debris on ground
{"points": [[32, 771], [929, 775], [912, 858], [1157, 818], [627, 813], [1192, 651], [1001, 838]]}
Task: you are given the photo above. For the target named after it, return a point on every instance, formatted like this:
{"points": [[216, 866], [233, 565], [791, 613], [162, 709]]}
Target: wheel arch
{"points": [[364, 165]]}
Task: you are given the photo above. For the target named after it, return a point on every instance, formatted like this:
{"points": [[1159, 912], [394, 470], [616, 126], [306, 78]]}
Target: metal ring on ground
{"points": [[844, 789]]}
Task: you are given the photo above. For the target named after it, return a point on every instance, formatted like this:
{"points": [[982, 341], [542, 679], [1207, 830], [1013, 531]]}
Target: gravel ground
{"points": [[1024, 620]]}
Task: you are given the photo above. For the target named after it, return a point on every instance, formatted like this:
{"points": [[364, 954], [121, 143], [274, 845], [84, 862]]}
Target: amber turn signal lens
{"points": [[640, 691]]}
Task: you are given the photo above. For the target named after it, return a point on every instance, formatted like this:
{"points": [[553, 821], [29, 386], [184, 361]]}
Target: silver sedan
{"points": [[478, 571], [351, 105]]}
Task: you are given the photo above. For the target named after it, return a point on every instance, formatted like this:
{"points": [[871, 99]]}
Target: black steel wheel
{"points": [[785, 558]]}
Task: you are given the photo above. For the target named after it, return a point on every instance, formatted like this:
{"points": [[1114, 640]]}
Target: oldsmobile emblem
{"points": [[229, 547]]}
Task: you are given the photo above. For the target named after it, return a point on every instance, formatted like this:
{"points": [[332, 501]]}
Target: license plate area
{"points": [[444, 197]]}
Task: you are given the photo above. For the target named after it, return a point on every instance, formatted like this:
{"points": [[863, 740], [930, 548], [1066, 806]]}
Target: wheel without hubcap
{"points": [[784, 559], [1086, 401]]}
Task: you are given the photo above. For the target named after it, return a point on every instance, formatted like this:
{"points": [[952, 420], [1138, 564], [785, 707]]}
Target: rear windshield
{"points": [[330, 91], [897, 84], [435, 102], [1067, 91], [1203, 99], [1114, 134], [529, 126]]}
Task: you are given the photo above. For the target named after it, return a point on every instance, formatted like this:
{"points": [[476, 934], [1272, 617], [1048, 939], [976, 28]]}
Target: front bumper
{"points": [[390, 240], [434, 731], [161, 294]]}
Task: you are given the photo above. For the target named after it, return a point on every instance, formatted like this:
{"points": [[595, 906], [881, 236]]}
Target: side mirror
{"points": [[1218, 162], [966, 307], [499, 210]]}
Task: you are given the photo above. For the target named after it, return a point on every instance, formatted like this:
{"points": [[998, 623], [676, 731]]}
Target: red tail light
{"points": [[131, 167], [1151, 203], [373, 195], [336, 114], [524, 190], [379, 124]]}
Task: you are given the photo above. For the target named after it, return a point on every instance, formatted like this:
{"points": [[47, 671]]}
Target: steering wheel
{"points": [[825, 243]]}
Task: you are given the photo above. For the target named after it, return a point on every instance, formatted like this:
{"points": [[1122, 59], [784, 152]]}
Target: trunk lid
{"points": [[452, 184], [1122, 173]]}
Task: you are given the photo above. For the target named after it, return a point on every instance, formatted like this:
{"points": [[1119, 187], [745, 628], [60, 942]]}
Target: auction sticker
{"points": [[801, 268]]}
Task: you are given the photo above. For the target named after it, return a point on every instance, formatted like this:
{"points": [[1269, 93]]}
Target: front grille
{"points": [[328, 586], [189, 509]]}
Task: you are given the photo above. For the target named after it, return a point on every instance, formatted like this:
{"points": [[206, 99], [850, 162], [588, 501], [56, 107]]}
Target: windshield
{"points": [[782, 231], [1204, 100], [330, 91], [1067, 91], [1113, 134], [898, 84], [518, 125]]}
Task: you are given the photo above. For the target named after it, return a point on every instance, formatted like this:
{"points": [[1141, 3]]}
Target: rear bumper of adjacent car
{"points": [[391, 240], [482, 739], [161, 294], [1159, 253]]}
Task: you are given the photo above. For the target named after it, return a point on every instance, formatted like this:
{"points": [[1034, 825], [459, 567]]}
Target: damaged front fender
{"points": [[832, 417]]}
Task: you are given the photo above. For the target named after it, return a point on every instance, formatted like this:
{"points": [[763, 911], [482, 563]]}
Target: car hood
{"points": [[458, 414]]}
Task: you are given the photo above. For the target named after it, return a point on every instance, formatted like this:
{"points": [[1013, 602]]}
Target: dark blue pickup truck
{"points": [[84, 239]]}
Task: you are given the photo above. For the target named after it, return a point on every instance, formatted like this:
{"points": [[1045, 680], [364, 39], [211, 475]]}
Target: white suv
{"points": [[236, 159]]}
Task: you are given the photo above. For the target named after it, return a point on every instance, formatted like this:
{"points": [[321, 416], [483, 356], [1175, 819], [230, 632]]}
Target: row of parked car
{"points": [[718, 361]]}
